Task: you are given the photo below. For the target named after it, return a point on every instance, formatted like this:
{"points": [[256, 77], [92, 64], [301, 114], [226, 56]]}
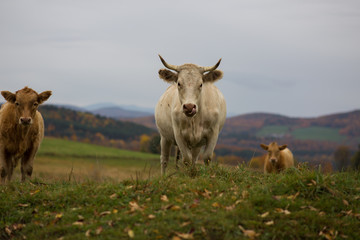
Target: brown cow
{"points": [[21, 131], [278, 158]]}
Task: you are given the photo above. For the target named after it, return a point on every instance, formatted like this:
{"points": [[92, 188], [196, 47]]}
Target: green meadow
{"points": [[212, 202], [304, 133], [60, 159]]}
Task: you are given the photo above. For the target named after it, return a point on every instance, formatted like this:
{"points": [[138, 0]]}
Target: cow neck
{"points": [[22, 131]]}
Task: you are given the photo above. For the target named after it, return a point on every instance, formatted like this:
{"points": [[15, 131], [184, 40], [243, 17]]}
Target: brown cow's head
{"points": [[26, 102], [190, 79], [273, 151]]}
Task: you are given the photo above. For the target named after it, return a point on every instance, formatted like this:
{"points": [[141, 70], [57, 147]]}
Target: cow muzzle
{"points": [[273, 160], [189, 109], [25, 121]]}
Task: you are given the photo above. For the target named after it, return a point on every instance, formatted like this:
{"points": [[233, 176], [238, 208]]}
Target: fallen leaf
{"points": [[249, 233], [346, 203], [151, 216], [105, 213], [277, 197], [215, 204], [131, 233], [164, 198], [113, 196], [175, 207], [78, 223], [313, 209], [175, 238], [206, 193], [98, 230], [80, 218], [264, 215], [134, 206], [185, 224], [34, 192], [23, 204], [8, 231], [185, 235], [115, 210], [269, 223], [245, 194], [279, 210], [88, 233], [230, 208], [18, 226], [292, 197]]}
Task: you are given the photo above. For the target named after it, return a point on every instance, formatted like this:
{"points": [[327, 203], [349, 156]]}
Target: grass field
{"points": [[60, 159], [210, 203], [307, 133], [271, 130], [318, 133]]}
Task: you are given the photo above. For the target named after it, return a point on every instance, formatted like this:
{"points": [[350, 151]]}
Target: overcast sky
{"points": [[296, 58]]}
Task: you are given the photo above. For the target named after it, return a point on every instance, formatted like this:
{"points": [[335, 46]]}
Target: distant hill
{"points": [[66, 123], [310, 139], [119, 113], [265, 125]]}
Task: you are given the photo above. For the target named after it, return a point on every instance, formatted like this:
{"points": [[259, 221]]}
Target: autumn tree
{"points": [[356, 159], [154, 144], [342, 158], [144, 142]]}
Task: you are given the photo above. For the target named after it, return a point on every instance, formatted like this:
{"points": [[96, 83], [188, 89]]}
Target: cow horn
{"points": [[209, 69], [169, 66]]}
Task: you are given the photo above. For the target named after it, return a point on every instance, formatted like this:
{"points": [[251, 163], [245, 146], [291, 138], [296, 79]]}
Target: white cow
{"points": [[191, 112]]}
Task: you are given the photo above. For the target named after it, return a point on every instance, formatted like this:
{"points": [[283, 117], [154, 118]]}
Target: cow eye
{"points": [[36, 104], [17, 104], [200, 85], [179, 85]]}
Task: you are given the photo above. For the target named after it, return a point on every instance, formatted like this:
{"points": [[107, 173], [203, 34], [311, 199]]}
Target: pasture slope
{"points": [[60, 159], [210, 203]]}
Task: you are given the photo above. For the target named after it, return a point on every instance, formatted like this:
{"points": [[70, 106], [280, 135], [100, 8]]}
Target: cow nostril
{"points": [[25, 120]]}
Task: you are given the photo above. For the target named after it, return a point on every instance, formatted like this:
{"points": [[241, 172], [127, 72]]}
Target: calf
{"points": [[278, 158], [21, 131]]}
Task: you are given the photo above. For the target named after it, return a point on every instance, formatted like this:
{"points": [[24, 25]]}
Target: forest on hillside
{"points": [[86, 127]]}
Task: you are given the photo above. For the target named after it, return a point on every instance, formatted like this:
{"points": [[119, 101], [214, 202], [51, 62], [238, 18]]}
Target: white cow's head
{"points": [[190, 79]]}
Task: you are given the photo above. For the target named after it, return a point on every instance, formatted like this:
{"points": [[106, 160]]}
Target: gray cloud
{"points": [[298, 58]]}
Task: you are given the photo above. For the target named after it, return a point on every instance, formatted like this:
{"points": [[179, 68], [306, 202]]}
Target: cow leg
{"points": [[195, 155], [209, 148], [165, 153], [6, 166], [27, 162], [177, 156]]}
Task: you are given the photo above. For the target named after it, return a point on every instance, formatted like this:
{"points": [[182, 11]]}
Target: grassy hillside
{"points": [[212, 203], [60, 159], [62, 122], [319, 134], [302, 133], [65, 148]]}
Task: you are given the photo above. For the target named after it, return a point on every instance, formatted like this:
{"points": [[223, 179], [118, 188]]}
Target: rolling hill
{"points": [[62, 122]]}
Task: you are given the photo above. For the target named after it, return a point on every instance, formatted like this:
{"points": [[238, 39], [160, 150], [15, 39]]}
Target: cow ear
{"points": [[213, 76], [282, 147], [265, 147], [44, 96], [9, 96], [168, 76]]}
